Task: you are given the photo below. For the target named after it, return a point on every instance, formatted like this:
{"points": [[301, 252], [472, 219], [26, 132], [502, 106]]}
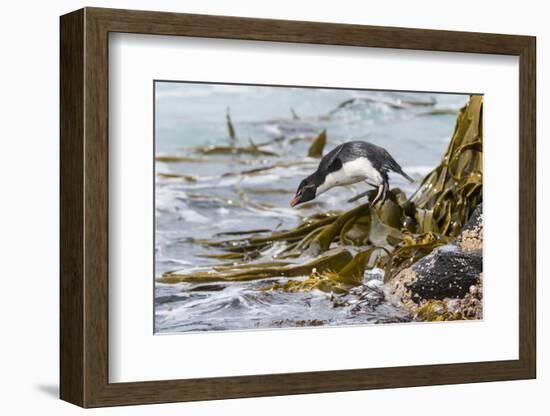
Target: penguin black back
{"points": [[379, 157]]}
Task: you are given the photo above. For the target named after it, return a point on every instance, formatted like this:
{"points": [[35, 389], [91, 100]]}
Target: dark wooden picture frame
{"points": [[84, 207]]}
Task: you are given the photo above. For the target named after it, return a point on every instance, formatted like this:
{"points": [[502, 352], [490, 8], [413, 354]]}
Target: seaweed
{"points": [[252, 150], [262, 169], [396, 105], [230, 128], [437, 311], [255, 271], [391, 236], [316, 148], [191, 159], [439, 112], [188, 178]]}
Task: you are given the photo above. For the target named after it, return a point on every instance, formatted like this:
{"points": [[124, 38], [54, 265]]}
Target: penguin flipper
{"points": [[330, 162]]}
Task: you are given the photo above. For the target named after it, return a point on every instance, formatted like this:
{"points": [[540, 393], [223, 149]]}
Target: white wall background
{"points": [[29, 158]]}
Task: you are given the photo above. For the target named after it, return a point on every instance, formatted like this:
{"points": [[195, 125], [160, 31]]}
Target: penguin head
{"points": [[305, 192]]}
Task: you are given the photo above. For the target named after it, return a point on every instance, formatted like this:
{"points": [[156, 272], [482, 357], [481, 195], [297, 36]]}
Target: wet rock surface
{"points": [[447, 283], [447, 272]]}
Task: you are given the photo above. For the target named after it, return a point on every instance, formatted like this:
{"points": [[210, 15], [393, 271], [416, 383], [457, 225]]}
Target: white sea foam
{"points": [[190, 215]]}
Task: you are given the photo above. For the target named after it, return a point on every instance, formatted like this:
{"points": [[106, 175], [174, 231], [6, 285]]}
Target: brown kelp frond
{"points": [[188, 178], [252, 150], [453, 189], [439, 112], [316, 148], [176, 159], [330, 280], [327, 281], [230, 128], [309, 224], [191, 159], [263, 169], [243, 232], [336, 260], [248, 202], [394, 104], [391, 236]]}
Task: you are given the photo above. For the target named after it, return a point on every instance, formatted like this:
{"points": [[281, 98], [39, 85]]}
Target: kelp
{"points": [[248, 202], [230, 128], [400, 104], [439, 112], [259, 231], [316, 148], [190, 159], [175, 159], [243, 272], [438, 311], [188, 178], [263, 169], [391, 236], [252, 150]]}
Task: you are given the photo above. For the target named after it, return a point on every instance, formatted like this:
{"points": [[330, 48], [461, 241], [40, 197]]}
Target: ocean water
{"points": [[223, 194]]}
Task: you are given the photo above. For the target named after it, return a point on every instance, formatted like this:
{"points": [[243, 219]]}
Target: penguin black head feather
{"points": [[307, 190]]}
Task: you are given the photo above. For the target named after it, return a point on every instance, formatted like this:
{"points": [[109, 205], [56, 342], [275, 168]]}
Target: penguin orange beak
{"points": [[295, 201]]}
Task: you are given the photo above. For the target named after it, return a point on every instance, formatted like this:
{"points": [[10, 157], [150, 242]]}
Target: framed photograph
{"points": [[256, 207]]}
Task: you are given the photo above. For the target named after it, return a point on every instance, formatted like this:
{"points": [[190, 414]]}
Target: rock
{"points": [[446, 273], [472, 304], [471, 236], [475, 222], [447, 283]]}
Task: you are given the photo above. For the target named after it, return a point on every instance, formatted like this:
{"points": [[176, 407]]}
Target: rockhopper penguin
{"points": [[349, 163]]}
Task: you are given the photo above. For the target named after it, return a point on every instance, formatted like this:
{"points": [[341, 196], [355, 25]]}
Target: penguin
{"points": [[349, 163]]}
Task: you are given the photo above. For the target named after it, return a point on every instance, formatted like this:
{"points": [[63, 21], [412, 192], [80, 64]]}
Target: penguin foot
{"points": [[380, 196]]}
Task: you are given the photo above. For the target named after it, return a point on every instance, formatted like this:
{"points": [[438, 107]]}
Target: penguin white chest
{"points": [[354, 171]]}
